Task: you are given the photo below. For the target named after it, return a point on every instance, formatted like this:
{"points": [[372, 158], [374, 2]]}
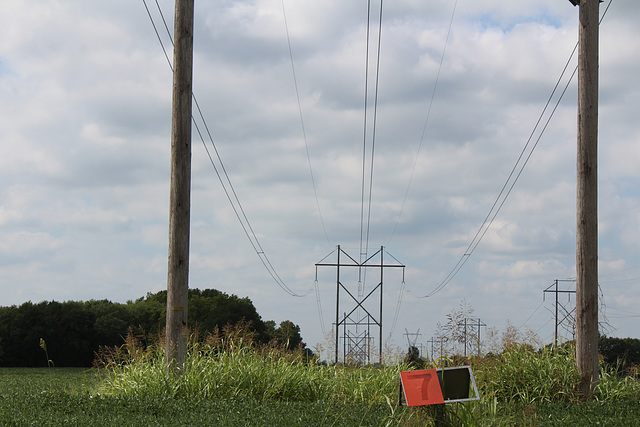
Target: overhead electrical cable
{"points": [[424, 129], [399, 302], [623, 314], [365, 230], [364, 132], [373, 135], [510, 183], [529, 318], [396, 314], [158, 34], [426, 121], [228, 186], [164, 21], [304, 133], [500, 200], [319, 304]]}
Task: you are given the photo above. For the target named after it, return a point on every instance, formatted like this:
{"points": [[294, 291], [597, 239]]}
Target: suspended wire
{"points": [[304, 133], [396, 314], [424, 129], [319, 304], [486, 224], [400, 296], [622, 314], [543, 326], [529, 318], [236, 205], [426, 121], [164, 21], [158, 35], [364, 130], [364, 235], [373, 135], [500, 200]]}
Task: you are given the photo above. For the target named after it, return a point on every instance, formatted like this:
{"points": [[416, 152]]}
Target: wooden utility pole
{"points": [[180, 192], [587, 203]]}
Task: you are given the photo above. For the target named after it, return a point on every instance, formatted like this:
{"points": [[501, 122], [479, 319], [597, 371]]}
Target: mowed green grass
{"points": [[66, 396]]}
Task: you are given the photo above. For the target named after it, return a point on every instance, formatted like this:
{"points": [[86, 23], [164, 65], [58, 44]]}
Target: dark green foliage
{"points": [[288, 335], [66, 328], [74, 331], [623, 353], [413, 358], [210, 309]]}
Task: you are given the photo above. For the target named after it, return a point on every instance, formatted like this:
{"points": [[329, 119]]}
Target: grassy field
{"points": [[66, 396], [237, 384]]}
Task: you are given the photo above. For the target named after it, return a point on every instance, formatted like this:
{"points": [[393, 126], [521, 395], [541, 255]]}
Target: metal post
{"points": [[351, 262], [380, 319], [478, 337], [555, 336], [465, 337], [338, 305]]}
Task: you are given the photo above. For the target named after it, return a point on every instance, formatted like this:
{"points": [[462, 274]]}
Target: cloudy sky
{"points": [[85, 117]]}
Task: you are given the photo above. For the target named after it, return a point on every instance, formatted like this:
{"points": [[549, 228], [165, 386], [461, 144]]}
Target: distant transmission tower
{"points": [[412, 339], [567, 315], [357, 323]]}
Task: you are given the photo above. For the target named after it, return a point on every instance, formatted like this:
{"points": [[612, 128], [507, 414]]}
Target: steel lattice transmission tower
{"points": [[365, 314]]}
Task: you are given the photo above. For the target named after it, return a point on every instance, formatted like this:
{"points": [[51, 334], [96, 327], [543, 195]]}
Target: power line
{"points": [[236, 205], [397, 312], [500, 200], [484, 227], [304, 133], [529, 318], [364, 236], [364, 127], [375, 122], [426, 121], [319, 304]]}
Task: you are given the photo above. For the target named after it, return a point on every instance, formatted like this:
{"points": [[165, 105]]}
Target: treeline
{"points": [[70, 333], [624, 353]]}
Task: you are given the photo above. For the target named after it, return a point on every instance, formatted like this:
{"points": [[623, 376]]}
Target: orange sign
{"points": [[421, 387]]}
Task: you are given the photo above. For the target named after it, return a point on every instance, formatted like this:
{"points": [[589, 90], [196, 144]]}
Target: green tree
{"points": [[413, 358], [624, 352], [67, 329], [208, 309], [288, 335], [25, 328], [270, 329], [74, 331]]}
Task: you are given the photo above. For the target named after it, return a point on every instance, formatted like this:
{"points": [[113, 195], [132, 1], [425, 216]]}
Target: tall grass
{"points": [[232, 365], [516, 387], [524, 375]]}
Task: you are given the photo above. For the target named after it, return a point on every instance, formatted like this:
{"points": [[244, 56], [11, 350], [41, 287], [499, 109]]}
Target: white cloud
{"points": [[85, 94]]}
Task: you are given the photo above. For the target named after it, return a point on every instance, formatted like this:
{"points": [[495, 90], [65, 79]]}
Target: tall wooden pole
{"points": [[180, 197], [587, 203]]}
